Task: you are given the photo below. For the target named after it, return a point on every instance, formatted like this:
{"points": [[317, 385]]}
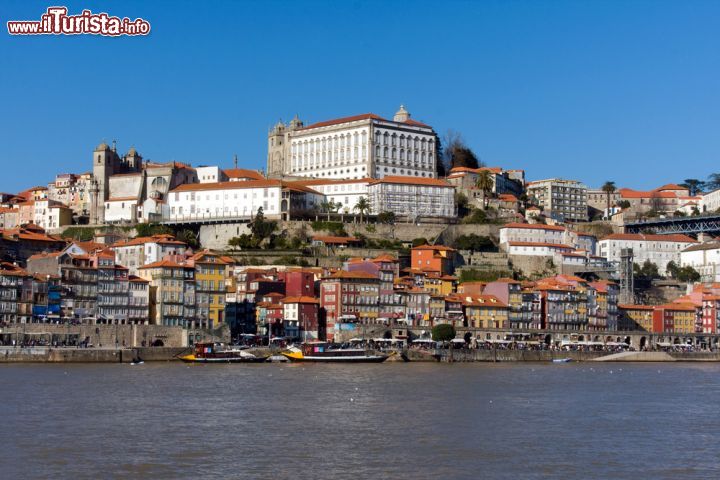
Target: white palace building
{"points": [[354, 147]]}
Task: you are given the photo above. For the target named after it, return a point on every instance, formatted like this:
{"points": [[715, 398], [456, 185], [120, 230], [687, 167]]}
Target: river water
{"points": [[414, 421]]}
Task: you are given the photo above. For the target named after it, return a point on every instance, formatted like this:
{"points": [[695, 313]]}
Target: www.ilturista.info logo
{"points": [[56, 21]]}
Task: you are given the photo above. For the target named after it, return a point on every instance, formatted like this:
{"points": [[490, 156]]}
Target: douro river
{"points": [[394, 421]]}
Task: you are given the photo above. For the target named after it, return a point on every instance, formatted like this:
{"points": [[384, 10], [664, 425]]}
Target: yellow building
{"points": [[636, 317], [440, 285], [211, 273], [485, 311]]}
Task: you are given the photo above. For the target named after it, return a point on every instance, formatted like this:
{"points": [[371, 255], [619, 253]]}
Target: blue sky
{"points": [[624, 91]]}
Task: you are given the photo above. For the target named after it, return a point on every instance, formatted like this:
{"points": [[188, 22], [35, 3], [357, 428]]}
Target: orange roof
{"points": [[528, 226], [330, 181], [336, 240], [161, 239], [626, 306], [482, 301], [384, 258], [507, 197], [337, 121], [243, 173], [628, 193], [359, 275], [301, 299], [684, 307], [643, 237], [121, 199], [136, 279], [433, 182], [539, 244], [437, 248], [165, 263], [194, 187], [670, 186]]}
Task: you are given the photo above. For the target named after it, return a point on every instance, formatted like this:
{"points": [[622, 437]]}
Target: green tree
{"points": [[190, 237], [672, 269], [457, 154], [688, 274], [261, 228], [474, 242], [362, 207], [419, 241], [609, 188], [387, 218], [693, 185], [443, 332], [485, 182]]}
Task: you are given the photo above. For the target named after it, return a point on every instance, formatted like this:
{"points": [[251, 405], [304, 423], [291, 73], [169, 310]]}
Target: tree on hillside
{"points": [[693, 185], [485, 182], [456, 153], [609, 188], [713, 181], [329, 207], [362, 207], [261, 228], [387, 218]]}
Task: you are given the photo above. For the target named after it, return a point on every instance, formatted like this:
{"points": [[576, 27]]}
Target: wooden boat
{"points": [[220, 353], [323, 352], [562, 360]]}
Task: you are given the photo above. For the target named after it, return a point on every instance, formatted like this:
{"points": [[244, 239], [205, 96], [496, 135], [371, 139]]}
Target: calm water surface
{"points": [[412, 421]]}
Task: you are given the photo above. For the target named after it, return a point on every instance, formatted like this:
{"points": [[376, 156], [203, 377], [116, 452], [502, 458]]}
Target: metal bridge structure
{"points": [[686, 225]]}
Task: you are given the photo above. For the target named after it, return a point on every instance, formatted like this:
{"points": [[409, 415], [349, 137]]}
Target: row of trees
{"points": [[649, 271]]}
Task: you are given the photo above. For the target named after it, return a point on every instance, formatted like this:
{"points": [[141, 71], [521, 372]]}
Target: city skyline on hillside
{"points": [[593, 92]]}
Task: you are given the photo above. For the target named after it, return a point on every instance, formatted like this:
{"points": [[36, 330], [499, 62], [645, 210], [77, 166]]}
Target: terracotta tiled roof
{"points": [[195, 187], [161, 239], [642, 237], [436, 248], [528, 226], [338, 121], [165, 263], [357, 274], [539, 244], [301, 299], [335, 240], [627, 306], [243, 173]]}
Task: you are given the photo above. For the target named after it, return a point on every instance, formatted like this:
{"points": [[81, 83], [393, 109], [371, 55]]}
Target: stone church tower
{"points": [[278, 147]]}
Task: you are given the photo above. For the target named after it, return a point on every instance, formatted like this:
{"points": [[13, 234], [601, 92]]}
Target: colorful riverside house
{"points": [[348, 297], [15, 294], [172, 293], [509, 292], [440, 284], [211, 272], [603, 314], [710, 313], [485, 311], [676, 318], [635, 317], [433, 258]]}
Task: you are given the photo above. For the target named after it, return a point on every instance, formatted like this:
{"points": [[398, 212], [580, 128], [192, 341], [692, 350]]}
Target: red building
{"points": [[298, 283], [349, 297], [433, 258], [302, 313]]}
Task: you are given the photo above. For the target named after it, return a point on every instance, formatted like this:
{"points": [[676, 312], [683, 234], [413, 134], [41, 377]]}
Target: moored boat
{"points": [[220, 353], [323, 352], [562, 360]]}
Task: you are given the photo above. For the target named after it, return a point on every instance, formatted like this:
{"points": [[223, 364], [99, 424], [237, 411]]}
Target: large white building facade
{"points": [[705, 259], [353, 147], [412, 198], [658, 249]]}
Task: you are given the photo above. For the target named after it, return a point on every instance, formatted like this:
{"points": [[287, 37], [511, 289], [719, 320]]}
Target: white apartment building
{"points": [[537, 249], [353, 147], [710, 202], [345, 193], [561, 200], [705, 259], [141, 251], [239, 200], [49, 214], [658, 249], [547, 234], [412, 198]]}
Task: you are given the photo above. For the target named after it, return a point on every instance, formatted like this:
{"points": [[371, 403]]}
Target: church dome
{"points": [[132, 152], [102, 147]]}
